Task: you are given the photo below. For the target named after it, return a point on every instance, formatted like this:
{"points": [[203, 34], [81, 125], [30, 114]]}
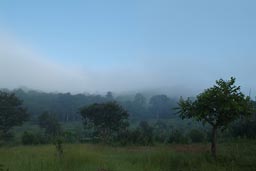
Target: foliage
{"points": [[217, 106], [50, 124], [59, 147], [106, 119], [109, 96], [177, 136], [29, 138], [161, 106], [138, 106], [245, 127], [70, 137], [12, 113], [160, 132], [146, 133], [142, 135], [65, 105], [196, 136]]}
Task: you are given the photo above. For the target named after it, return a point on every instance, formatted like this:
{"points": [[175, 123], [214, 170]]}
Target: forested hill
{"points": [[65, 106]]}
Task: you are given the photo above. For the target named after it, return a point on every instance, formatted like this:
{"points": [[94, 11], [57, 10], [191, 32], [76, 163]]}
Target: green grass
{"points": [[235, 156]]}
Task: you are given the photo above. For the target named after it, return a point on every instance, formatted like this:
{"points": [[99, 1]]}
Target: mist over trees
{"points": [[65, 106], [152, 119]]}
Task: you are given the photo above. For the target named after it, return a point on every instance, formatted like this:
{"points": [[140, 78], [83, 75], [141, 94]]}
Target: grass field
{"points": [[238, 155]]}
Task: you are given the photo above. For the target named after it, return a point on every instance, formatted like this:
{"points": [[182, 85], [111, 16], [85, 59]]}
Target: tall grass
{"points": [[234, 156]]}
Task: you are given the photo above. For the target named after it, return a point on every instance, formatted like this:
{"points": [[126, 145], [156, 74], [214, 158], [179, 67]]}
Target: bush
{"points": [[124, 138], [177, 136], [70, 137], [161, 132], [28, 138], [59, 147], [244, 128], [145, 133], [142, 135], [50, 124], [196, 136]]}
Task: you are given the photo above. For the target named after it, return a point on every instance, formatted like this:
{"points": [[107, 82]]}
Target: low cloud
{"points": [[22, 66]]}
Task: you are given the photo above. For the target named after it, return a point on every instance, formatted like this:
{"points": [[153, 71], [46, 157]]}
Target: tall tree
{"points": [[140, 100], [106, 118], [160, 106], [109, 96], [50, 124], [12, 113], [217, 106], [138, 106]]}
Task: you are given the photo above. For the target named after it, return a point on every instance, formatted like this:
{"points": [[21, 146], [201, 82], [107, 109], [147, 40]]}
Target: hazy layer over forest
{"points": [[173, 47]]}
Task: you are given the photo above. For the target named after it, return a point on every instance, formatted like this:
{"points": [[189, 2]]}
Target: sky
{"points": [[179, 46]]}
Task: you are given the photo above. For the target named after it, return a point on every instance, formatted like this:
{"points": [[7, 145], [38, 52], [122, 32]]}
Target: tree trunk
{"points": [[214, 141]]}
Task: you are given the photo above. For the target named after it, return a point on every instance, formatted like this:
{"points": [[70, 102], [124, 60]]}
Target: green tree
{"points": [[217, 106], [50, 124], [109, 96], [146, 133], [12, 113], [160, 106], [160, 131], [177, 136], [105, 118], [139, 106], [140, 100], [196, 136], [28, 138]]}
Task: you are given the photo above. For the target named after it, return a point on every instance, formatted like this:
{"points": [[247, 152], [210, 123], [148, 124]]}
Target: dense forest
{"points": [[151, 118], [65, 106], [224, 113], [159, 85]]}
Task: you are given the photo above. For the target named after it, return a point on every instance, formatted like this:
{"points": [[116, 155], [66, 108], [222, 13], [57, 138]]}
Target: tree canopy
{"points": [[50, 124], [12, 113], [217, 106], [105, 118], [161, 106]]}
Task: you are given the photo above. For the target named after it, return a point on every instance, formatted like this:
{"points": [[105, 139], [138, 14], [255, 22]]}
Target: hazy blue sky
{"points": [[127, 45]]}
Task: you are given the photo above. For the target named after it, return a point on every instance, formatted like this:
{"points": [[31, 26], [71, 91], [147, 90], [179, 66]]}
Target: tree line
{"points": [[108, 121], [65, 106]]}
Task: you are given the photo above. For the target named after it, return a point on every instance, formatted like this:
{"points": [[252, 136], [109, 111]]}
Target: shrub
{"points": [[142, 135], [145, 133], [59, 147], [160, 132], [28, 138], [196, 136], [244, 128], [70, 137], [177, 136]]}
